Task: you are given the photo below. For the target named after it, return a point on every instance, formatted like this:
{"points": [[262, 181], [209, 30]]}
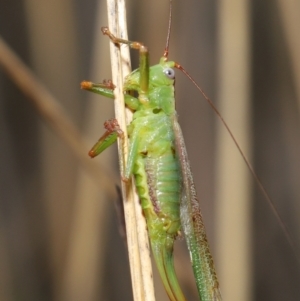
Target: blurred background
{"points": [[59, 231]]}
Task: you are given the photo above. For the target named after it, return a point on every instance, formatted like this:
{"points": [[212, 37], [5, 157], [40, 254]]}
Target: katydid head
{"points": [[162, 73], [160, 90], [161, 87]]}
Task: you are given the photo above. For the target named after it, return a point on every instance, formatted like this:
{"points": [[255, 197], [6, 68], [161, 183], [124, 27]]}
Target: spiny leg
{"points": [[144, 61], [115, 40], [113, 131], [106, 88]]}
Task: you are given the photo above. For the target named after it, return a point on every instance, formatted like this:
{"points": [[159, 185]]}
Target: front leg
{"points": [[144, 61], [106, 88], [113, 131]]}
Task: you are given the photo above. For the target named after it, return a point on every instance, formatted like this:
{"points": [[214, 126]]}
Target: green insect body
{"points": [[158, 160]]}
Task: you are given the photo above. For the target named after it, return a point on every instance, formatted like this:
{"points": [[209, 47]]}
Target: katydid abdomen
{"points": [[159, 177], [160, 203], [158, 182]]}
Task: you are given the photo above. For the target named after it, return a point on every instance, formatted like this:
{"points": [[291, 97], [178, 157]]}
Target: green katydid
{"points": [[158, 160]]}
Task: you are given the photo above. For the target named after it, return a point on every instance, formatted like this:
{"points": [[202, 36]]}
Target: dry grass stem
{"points": [[137, 238]]}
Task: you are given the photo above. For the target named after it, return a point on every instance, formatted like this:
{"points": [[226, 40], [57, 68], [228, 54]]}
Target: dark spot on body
{"points": [[156, 110]]}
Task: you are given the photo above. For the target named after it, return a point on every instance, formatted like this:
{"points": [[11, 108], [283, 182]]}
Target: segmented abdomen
{"points": [[164, 185], [157, 172]]}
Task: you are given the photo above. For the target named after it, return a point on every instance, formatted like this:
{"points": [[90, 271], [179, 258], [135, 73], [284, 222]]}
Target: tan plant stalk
{"points": [[137, 237]]}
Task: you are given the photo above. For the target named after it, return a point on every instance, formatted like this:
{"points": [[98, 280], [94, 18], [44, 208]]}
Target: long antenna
{"points": [[166, 52], [249, 165]]}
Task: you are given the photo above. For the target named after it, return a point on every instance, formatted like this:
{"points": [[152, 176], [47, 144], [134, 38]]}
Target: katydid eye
{"points": [[169, 72]]}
